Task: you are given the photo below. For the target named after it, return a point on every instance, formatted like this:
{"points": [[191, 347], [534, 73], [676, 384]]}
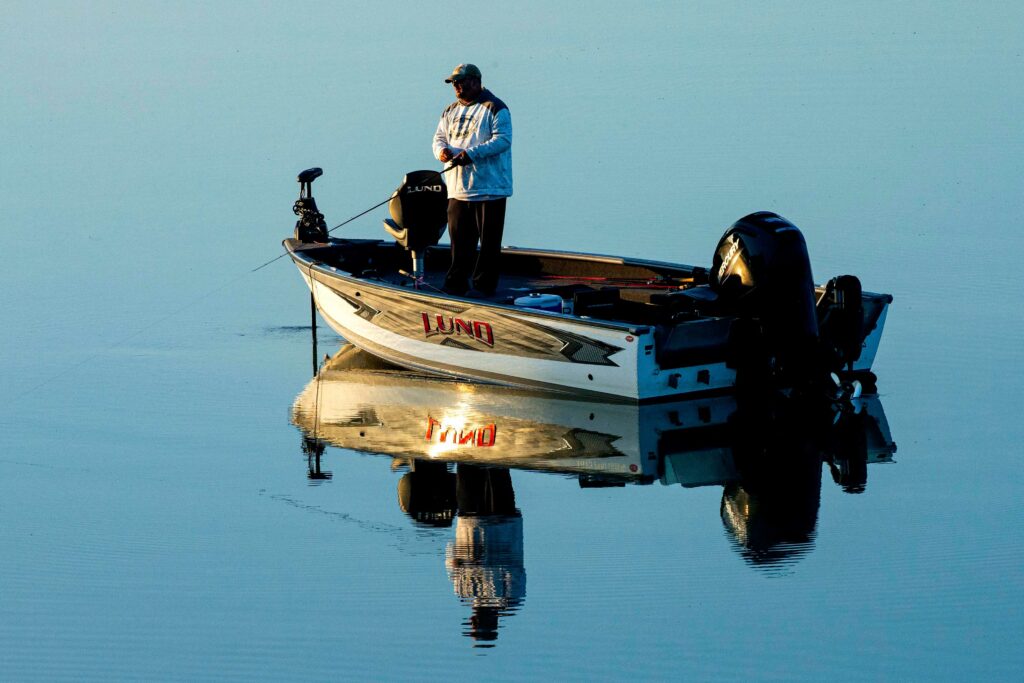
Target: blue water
{"points": [[158, 518]]}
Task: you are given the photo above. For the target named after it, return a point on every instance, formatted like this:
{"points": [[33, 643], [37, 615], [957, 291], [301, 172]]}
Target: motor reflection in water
{"points": [[456, 444]]}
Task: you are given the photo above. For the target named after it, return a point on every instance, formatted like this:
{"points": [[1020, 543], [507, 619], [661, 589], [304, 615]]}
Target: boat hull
{"points": [[502, 344]]}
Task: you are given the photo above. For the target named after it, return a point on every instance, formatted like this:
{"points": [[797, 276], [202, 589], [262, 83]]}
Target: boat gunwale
{"points": [[308, 263], [294, 247]]}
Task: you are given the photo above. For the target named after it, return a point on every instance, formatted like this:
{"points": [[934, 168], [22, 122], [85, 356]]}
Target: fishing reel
{"points": [[311, 226]]}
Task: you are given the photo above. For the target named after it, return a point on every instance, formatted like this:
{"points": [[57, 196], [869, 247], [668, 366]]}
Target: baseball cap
{"points": [[463, 71]]}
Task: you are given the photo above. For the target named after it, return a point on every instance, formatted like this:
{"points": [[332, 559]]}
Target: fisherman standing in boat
{"points": [[475, 134]]}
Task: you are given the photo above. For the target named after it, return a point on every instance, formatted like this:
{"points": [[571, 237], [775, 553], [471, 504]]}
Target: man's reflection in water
{"points": [[485, 561], [771, 511]]}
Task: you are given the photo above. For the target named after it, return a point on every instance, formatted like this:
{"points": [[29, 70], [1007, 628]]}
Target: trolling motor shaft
{"points": [[311, 226]]}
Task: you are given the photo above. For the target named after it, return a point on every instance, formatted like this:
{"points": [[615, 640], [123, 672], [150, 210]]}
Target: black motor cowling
{"points": [[761, 271]]}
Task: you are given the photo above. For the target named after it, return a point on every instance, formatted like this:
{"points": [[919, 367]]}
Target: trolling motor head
{"points": [[311, 226]]}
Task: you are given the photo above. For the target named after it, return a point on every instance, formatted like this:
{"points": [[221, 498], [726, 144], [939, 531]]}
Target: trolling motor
{"points": [[311, 226]]}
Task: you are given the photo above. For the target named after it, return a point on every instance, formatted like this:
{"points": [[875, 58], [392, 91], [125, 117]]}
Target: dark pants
{"points": [[469, 222]]}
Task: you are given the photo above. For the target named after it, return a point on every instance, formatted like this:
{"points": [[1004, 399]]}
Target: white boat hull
{"points": [[503, 344]]}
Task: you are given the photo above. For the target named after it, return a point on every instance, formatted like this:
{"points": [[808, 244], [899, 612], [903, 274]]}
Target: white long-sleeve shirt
{"points": [[483, 130]]}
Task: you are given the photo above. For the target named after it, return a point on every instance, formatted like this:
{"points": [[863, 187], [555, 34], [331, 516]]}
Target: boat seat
{"points": [[415, 238], [400, 234], [419, 214]]}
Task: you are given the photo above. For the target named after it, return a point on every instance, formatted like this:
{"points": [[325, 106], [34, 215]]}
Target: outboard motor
{"points": [[841, 322], [419, 214], [311, 226], [761, 271]]}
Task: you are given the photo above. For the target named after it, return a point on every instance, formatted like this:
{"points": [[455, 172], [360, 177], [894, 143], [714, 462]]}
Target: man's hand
{"points": [[462, 159], [446, 155]]}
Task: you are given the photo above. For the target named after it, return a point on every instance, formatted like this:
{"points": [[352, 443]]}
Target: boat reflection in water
{"points": [[456, 443]]}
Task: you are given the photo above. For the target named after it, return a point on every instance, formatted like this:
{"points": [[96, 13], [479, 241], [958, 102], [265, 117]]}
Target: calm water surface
{"points": [[180, 500]]}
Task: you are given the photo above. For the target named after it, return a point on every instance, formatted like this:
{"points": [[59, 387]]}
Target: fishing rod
{"points": [[195, 300], [437, 174], [419, 281], [628, 282]]}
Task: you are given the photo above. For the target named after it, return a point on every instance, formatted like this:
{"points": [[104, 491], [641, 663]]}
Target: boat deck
{"points": [[609, 288]]}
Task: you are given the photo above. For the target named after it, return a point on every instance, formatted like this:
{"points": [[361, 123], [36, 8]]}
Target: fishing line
{"points": [[624, 282], [393, 195], [319, 370], [133, 335], [194, 301], [420, 281], [358, 215], [602, 278], [316, 407]]}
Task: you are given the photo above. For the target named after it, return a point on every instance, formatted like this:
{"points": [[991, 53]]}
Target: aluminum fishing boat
{"points": [[604, 326]]}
